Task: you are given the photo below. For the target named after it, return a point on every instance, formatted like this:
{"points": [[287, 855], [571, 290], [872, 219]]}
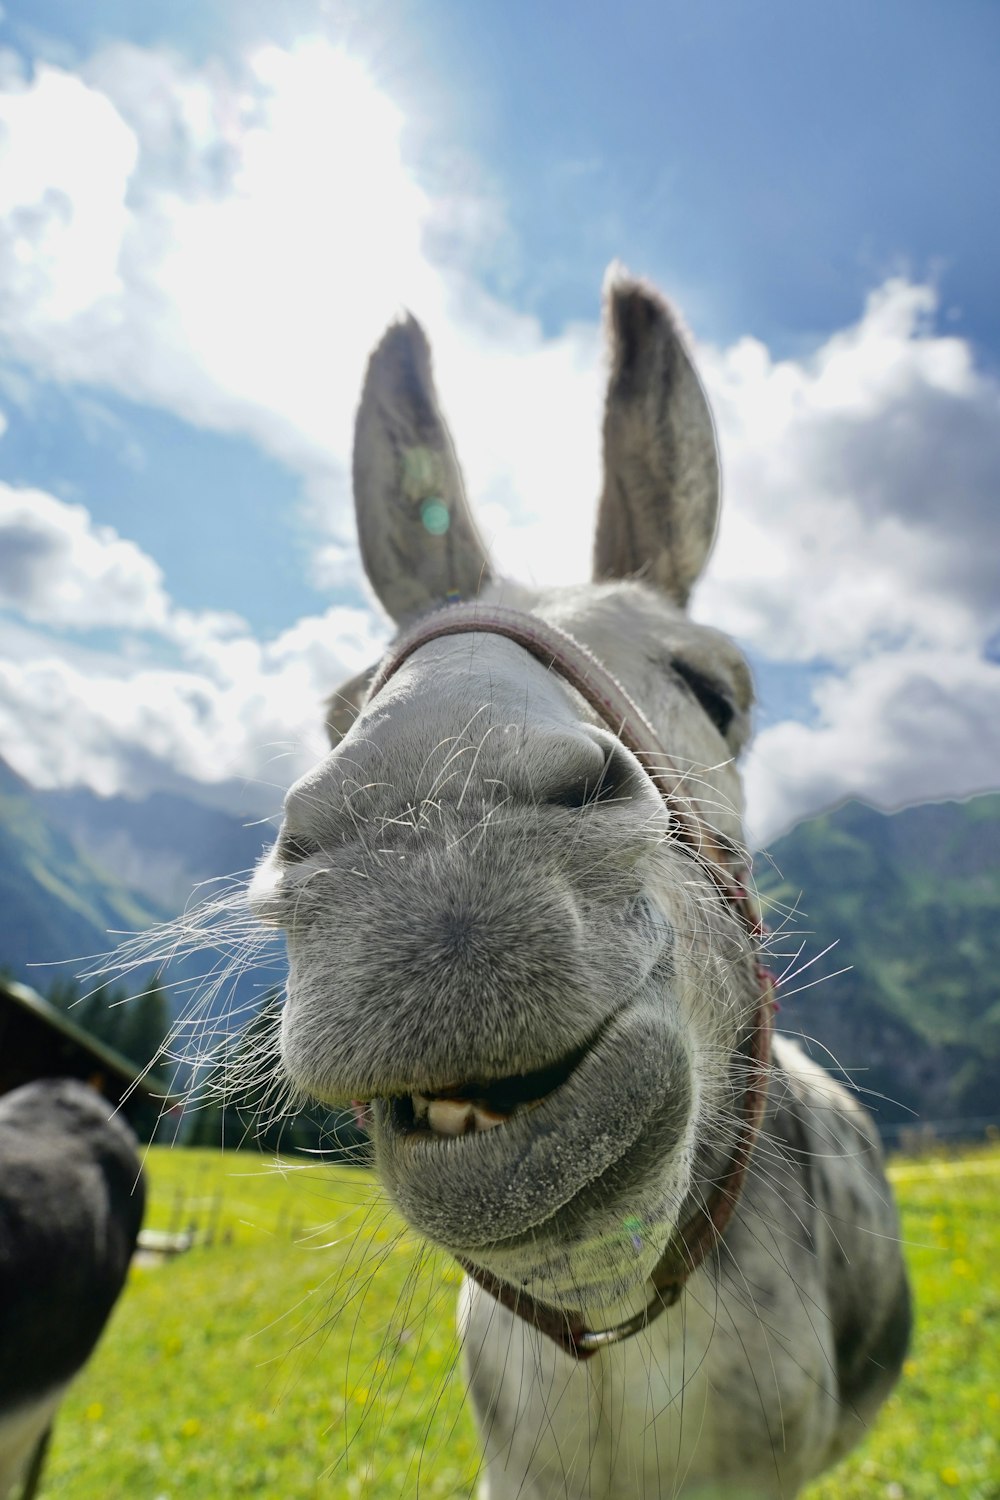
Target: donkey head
{"points": [[495, 936]]}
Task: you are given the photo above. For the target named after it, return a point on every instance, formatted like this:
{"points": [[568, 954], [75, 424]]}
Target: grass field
{"points": [[223, 1372]]}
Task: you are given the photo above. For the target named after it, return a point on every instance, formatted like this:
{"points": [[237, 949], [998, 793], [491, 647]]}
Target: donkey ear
{"points": [[660, 501], [418, 540], [343, 706]]}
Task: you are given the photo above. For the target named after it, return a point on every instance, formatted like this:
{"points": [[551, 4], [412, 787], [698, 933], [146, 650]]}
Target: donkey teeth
{"points": [[460, 1117], [454, 1116]]}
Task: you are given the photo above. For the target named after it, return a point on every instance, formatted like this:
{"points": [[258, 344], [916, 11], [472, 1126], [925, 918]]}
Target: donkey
{"points": [[71, 1203], [521, 937]]}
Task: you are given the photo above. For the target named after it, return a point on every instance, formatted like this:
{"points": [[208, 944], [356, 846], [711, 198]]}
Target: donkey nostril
{"points": [[293, 848], [614, 782], [573, 795]]}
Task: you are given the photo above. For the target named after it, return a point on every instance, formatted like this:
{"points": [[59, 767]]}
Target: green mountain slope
{"points": [[78, 871], [57, 905], [912, 901]]}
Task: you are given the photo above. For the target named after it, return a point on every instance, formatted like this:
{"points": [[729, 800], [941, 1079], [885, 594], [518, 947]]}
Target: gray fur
{"points": [[457, 911], [343, 706], [418, 540], [660, 503]]}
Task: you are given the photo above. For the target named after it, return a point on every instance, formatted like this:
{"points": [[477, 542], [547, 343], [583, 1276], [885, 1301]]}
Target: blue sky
{"points": [[211, 210]]}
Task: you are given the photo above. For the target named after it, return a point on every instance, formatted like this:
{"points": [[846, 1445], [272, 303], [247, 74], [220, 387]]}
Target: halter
{"points": [[702, 1227]]}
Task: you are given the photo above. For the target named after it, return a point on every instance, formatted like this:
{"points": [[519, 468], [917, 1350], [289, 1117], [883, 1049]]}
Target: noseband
{"points": [[702, 1223]]}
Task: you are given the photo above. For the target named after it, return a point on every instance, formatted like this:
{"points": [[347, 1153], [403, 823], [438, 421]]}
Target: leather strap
{"points": [[701, 1228]]}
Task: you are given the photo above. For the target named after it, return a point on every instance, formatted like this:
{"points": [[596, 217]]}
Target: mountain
{"points": [[161, 847], [78, 871], [58, 905], [911, 900]]}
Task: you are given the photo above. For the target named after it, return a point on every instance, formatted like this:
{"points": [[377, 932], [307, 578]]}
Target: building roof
{"points": [[37, 1040]]}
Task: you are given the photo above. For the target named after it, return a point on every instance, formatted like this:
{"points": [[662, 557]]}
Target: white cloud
{"points": [[57, 567], [259, 224], [256, 229], [262, 227], [186, 694], [227, 241], [67, 157], [861, 490], [904, 726], [236, 709], [862, 533]]}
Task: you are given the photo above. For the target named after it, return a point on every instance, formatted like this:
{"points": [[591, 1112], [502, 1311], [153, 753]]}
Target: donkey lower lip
{"points": [[620, 1110]]}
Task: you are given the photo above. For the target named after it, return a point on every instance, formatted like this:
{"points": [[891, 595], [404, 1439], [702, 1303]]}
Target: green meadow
{"points": [[309, 1350]]}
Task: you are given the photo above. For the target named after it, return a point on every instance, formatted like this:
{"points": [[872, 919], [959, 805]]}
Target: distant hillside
{"points": [[913, 902], [58, 905], [77, 871], [162, 846]]}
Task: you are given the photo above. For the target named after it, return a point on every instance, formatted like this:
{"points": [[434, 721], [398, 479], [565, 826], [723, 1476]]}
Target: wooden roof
{"points": [[37, 1040]]}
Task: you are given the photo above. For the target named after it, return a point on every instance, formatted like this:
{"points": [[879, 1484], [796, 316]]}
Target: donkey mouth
{"points": [[475, 1105], [478, 1165]]}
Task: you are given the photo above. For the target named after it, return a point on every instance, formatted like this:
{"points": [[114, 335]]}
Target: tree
{"points": [[143, 1027]]}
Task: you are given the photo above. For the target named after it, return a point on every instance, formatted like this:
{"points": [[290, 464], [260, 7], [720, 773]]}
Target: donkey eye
{"points": [[708, 693]]}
